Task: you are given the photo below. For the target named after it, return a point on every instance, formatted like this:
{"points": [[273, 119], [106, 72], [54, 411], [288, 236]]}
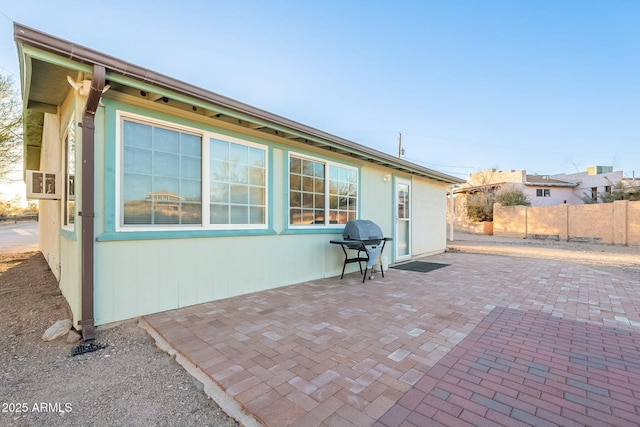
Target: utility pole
{"points": [[400, 149]]}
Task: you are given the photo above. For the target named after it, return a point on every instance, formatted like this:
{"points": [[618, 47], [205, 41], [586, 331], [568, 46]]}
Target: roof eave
{"points": [[26, 36]]}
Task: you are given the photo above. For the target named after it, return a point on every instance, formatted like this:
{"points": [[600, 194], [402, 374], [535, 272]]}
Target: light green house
{"points": [[171, 195]]}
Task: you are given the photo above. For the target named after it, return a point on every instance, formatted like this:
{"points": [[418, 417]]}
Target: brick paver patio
{"points": [[488, 340]]}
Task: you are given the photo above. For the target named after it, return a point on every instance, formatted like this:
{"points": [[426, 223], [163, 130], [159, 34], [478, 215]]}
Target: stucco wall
{"points": [[612, 223], [509, 222], [591, 222], [633, 226], [542, 221]]}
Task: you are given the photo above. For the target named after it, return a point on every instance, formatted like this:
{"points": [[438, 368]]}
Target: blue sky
{"points": [[548, 86]]}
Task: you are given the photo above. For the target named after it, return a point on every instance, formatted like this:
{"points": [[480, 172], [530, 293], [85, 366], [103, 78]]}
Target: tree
{"points": [[511, 196], [480, 206], [10, 130], [480, 203]]}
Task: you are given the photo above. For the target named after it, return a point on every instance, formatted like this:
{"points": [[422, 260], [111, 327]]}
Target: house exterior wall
{"points": [[152, 271], [49, 210], [557, 195], [587, 181], [429, 217]]}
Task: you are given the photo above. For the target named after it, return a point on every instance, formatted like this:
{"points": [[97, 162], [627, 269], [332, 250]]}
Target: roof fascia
{"points": [[79, 58]]}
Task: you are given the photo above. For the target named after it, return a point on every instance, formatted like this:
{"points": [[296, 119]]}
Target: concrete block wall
{"points": [[612, 223]]}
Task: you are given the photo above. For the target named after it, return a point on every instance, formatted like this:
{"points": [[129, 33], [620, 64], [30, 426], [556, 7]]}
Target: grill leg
{"points": [[346, 257]]}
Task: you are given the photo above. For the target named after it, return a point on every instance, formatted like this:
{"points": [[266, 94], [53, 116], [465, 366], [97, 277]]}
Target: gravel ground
{"points": [[624, 260], [132, 382], [129, 383]]}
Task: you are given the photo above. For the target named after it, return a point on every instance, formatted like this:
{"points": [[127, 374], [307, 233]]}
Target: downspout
{"points": [[88, 203]]}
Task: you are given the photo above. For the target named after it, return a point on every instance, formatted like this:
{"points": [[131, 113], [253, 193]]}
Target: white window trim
{"points": [[205, 169], [65, 169], [327, 163]]}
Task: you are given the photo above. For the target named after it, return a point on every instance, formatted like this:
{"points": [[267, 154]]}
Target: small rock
{"points": [[58, 329], [73, 337]]}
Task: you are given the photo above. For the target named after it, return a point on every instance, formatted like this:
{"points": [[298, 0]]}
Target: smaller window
{"points": [[594, 193], [543, 192], [321, 192], [70, 171]]}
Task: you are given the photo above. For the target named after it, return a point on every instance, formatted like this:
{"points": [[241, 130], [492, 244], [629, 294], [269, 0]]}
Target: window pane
{"points": [[295, 199], [257, 196], [162, 184], [295, 165], [236, 184], [256, 216], [239, 214], [137, 135], [166, 140], [166, 212], [190, 167], [219, 170], [295, 182], [239, 153], [295, 216], [219, 214], [239, 194], [343, 190], [239, 173], [191, 213], [166, 164], [257, 157], [219, 149], [137, 160], [190, 145], [257, 176], [307, 187], [70, 190], [219, 192]]}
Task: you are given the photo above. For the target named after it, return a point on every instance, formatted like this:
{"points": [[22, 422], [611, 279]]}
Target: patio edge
{"points": [[229, 405]]}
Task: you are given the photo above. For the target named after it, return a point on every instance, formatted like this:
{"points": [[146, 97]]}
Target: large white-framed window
{"points": [[177, 177], [238, 177], [69, 200], [321, 192]]}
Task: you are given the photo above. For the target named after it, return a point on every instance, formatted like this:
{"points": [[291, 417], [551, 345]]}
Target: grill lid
{"points": [[362, 229]]}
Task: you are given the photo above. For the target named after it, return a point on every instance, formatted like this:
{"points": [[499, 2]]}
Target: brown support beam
{"points": [[88, 209]]}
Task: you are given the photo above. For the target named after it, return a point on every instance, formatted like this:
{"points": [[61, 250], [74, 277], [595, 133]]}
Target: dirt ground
{"points": [[132, 382], [129, 383], [611, 258]]}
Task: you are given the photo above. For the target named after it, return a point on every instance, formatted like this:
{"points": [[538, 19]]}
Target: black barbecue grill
{"points": [[366, 237]]}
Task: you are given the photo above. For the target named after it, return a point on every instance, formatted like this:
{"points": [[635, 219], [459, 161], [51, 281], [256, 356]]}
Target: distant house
{"points": [[547, 190], [182, 196], [592, 183], [541, 190]]}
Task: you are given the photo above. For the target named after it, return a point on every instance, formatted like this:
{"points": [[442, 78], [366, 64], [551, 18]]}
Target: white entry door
{"points": [[403, 220]]}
